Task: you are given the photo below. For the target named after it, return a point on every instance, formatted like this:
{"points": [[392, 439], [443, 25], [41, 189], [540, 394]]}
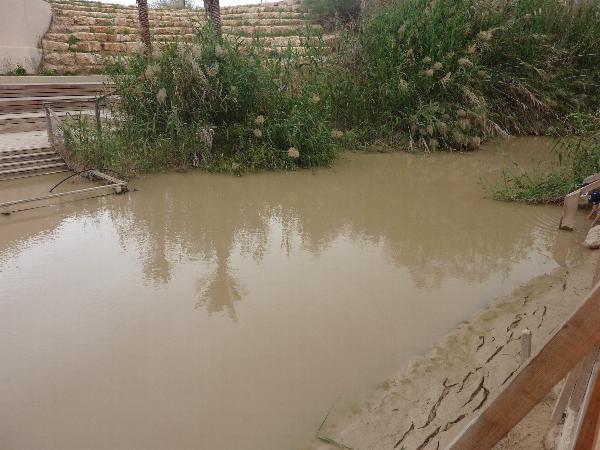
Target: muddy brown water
{"points": [[215, 312]]}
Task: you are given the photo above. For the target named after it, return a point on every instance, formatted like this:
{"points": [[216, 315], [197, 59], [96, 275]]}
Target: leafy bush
{"points": [[213, 105], [451, 73]]}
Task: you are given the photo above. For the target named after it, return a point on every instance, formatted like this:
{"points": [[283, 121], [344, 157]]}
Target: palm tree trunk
{"points": [[213, 14], [144, 23]]}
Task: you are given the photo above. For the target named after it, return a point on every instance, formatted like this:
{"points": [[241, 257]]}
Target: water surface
{"points": [[216, 312]]}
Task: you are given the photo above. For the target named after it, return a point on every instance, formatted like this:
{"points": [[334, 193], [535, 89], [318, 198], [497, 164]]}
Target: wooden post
{"points": [[574, 340], [525, 344], [565, 394], [97, 112], [49, 124]]}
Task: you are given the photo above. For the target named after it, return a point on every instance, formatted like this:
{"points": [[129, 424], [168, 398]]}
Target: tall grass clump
{"points": [[576, 156], [216, 105], [452, 73]]}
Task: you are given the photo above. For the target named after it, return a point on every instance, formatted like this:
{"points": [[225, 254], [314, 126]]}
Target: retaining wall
{"points": [[85, 35]]}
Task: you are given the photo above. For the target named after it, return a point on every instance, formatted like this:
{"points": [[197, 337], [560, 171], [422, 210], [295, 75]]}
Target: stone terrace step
{"points": [[133, 28], [87, 18], [55, 47], [173, 15], [122, 9], [117, 22], [99, 38]]}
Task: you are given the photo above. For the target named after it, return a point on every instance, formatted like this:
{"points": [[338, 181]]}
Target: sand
{"points": [[433, 397]]}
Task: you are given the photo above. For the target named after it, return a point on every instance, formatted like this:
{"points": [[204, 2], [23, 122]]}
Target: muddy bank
{"points": [[435, 395]]}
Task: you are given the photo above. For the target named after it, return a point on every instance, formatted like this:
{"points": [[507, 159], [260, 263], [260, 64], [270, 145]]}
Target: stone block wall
{"points": [[84, 35]]}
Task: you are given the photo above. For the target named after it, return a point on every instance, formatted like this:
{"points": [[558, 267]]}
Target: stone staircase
{"points": [[24, 146], [28, 153], [22, 99], [84, 35]]}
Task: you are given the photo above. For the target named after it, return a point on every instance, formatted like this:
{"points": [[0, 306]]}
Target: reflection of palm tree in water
{"points": [[222, 291], [208, 227]]}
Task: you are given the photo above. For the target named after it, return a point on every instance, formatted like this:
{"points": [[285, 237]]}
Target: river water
{"points": [[219, 312]]}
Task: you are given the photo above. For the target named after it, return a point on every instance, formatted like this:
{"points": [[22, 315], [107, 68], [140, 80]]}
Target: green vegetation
{"points": [[214, 106], [577, 156], [17, 71], [328, 8], [425, 74], [72, 41], [453, 73]]}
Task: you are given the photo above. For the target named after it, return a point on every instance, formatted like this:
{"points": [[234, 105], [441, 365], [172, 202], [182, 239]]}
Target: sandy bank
{"points": [[428, 402]]}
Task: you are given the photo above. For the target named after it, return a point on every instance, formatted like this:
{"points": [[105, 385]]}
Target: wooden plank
{"points": [[574, 409], [565, 394], [587, 431], [60, 194], [575, 339]]}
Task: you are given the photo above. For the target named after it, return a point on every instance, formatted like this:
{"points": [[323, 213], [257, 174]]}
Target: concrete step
{"points": [[15, 152], [30, 163], [23, 142], [31, 121], [28, 156], [119, 23], [42, 169], [33, 104], [20, 90]]}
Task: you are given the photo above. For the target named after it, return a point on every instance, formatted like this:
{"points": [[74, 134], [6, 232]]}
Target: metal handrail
{"points": [[97, 102]]}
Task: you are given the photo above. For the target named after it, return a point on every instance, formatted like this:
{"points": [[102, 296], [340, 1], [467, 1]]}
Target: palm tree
{"points": [[213, 14], [142, 6]]}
